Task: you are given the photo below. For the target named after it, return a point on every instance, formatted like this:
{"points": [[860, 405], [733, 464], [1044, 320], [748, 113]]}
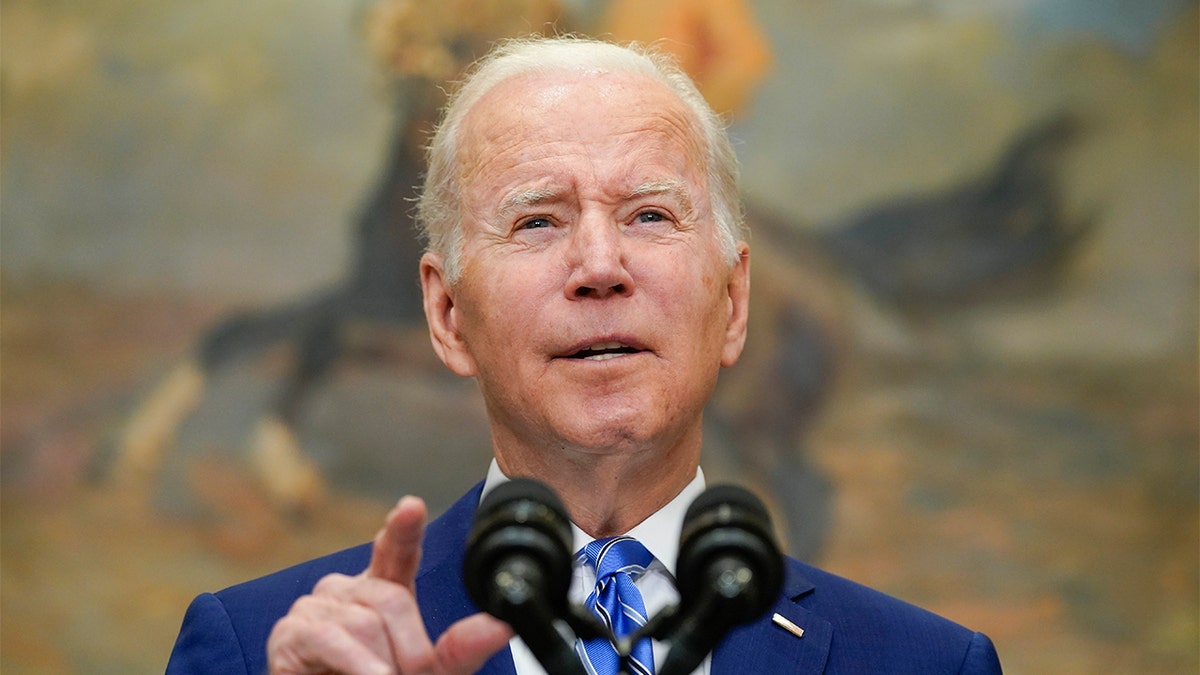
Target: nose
{"points": [[597, 261]]}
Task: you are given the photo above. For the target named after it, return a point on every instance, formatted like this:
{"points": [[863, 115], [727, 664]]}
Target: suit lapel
{"points": [[440, 590], [763, 646]]}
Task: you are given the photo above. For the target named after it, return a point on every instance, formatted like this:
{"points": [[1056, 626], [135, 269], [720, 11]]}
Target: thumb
{"points": [[469, 643]]}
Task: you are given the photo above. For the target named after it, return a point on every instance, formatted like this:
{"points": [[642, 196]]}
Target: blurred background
{"points": [[972, 377]]}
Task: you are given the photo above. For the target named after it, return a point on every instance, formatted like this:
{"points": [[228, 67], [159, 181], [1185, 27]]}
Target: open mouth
{"points": [[603, 350]]}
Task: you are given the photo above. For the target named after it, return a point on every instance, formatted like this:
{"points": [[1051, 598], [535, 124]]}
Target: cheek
{"points": [[502, 301], [476, 309], [694, 303], [713, 309], [706, 286]]}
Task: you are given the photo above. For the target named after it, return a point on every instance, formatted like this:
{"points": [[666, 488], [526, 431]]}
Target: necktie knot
{"points": [[618, 562], [616, 554]]}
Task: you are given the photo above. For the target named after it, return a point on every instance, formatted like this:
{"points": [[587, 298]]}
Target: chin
{"points": [[620, 437], [609, 441]]}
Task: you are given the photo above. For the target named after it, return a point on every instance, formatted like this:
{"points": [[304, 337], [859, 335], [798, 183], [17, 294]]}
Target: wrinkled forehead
{"points": [[544, 105]]}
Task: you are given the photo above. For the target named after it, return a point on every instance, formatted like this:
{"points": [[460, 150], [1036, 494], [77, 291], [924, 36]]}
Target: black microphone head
{"points": [[727, 552], [520, 523]]}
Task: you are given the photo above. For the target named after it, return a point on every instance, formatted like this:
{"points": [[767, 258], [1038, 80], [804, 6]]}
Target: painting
{"points": [[971, 378]]}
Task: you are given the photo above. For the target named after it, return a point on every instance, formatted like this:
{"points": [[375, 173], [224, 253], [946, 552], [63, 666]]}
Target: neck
{"points": [[607, 494]]}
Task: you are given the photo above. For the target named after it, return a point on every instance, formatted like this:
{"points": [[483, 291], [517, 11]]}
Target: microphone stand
{"points": [[517, 600]]}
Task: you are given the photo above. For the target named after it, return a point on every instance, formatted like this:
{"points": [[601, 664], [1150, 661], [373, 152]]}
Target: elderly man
{"points": [[587, 267]]}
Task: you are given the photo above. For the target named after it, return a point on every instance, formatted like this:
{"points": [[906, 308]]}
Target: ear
{"points": [[442, 315], [739, 307]]}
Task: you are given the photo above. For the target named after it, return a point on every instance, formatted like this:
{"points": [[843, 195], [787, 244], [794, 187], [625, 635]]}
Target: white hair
{"points": [[439, 207]]}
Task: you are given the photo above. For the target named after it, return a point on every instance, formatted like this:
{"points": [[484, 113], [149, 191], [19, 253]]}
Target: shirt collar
{"points": [[659, 533]]}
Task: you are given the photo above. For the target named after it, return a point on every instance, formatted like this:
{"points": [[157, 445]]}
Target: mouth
{"points": [[602, 351]]}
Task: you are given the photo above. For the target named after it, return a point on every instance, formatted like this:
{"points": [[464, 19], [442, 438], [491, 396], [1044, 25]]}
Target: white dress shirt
{"points": [[659, 533]]}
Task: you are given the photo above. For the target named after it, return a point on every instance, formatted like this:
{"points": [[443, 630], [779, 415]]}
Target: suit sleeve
{"points": [[981, 657], [207, 642]]}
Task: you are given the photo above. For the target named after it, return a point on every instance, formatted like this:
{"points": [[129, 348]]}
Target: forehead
{"points": [[626, 122]]}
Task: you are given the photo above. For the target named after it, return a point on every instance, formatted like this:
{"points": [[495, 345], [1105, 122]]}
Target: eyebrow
{"points": [[666, 186], [527, 198]]}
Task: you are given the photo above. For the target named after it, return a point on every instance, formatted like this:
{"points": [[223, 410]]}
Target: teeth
{"points": [[602, 351], [603, 357]]}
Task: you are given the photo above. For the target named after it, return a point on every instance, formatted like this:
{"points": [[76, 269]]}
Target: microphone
{"points": [[730, 572], [517, 567]]}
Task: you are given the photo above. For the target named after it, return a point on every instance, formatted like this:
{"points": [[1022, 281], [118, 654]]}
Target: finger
{"points": [[398, 614], [469, 643], [299, 646], [363, 605], [397, 548], [464, 647], [381, 614]]}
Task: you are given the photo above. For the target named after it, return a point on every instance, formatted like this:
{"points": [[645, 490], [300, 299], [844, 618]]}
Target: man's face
{"points": [[594, 306]]}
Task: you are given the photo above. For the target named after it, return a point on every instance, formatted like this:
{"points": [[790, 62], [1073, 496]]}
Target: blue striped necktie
{"points": [[618, 562]]}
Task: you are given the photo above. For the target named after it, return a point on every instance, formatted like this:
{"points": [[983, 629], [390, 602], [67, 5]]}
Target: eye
{"points": [[650, 217], [535, 223]]}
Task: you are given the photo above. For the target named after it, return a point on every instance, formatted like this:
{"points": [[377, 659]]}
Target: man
{"points": [[586, 266]]}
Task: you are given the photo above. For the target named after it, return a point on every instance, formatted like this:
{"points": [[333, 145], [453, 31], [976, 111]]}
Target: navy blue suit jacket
{"points": [[848, 628]]}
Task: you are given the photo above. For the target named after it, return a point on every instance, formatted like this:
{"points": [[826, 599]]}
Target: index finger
{"points": [[396, 552]]}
